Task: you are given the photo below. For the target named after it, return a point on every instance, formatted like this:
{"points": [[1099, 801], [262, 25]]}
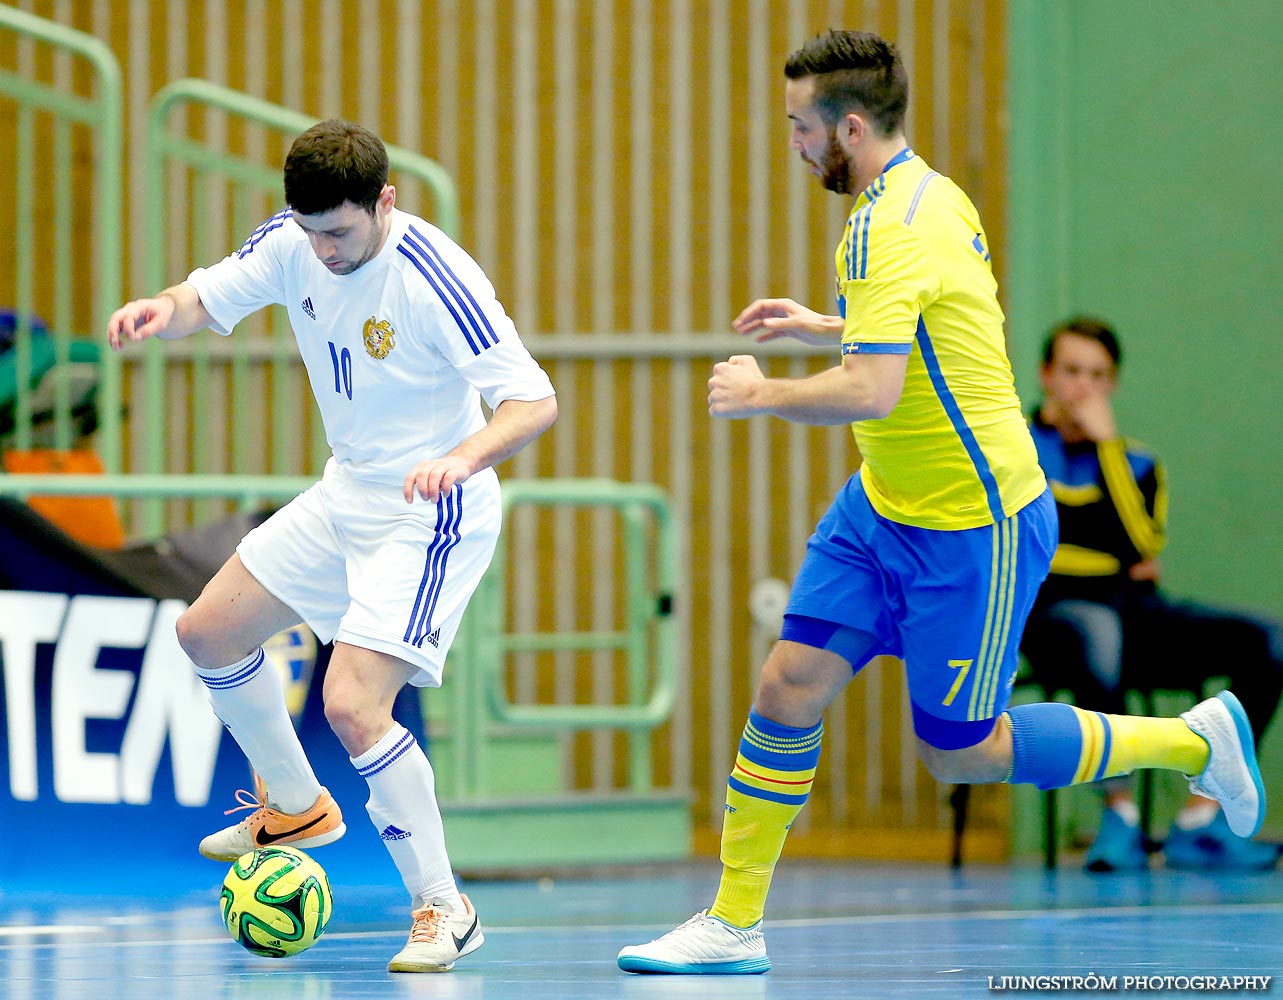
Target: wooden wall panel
{"points": [[623, 169]]}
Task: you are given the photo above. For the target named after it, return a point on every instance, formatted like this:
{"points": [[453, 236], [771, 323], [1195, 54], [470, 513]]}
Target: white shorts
{"points": [[362, 566]]}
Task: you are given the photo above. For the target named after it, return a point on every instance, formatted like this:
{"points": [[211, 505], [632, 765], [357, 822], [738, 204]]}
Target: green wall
{"points": [[1147, 161]]}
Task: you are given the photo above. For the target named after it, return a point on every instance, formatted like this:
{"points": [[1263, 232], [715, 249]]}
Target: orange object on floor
{"points": [[90, 520]]}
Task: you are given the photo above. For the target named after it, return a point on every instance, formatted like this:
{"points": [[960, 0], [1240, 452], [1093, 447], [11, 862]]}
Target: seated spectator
{"points": [[1103, 626]]}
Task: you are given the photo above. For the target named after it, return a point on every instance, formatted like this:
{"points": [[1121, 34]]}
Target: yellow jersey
{"points": [[914, 278]]}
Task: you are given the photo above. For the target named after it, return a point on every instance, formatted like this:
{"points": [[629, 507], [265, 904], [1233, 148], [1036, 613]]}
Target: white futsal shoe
{"points": [[1231, 776], [438, 937], [703, 946]]}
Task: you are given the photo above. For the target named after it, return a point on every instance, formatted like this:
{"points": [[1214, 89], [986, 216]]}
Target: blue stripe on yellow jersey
{"points": [[914, 277]]}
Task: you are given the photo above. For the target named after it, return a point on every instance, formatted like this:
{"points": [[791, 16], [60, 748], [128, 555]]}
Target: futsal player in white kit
{"points": [[402, 338]]}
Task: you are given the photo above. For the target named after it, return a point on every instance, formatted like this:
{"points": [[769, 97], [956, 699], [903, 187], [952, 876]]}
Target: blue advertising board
{"points": [[114, 766]]}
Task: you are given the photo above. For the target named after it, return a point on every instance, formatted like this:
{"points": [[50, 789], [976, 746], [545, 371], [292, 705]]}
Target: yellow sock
{"points": [[1054, 745], [772, 778], [753, 834], [1142, 742]]}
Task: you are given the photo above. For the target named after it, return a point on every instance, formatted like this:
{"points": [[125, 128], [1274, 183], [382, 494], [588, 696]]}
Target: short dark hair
{"points": [[854, 69], [332, 162], [1084, 326]]}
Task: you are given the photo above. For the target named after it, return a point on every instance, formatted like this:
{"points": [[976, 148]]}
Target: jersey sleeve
{"points": [[885, 291], [477, 337], [244, 281], [508, 371]]}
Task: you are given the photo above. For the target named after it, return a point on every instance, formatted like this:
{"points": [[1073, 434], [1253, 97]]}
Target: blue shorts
{"points": [[952, 604]]}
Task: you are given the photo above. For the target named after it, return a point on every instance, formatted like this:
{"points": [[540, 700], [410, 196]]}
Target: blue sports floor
{"points": [[833, 930]]}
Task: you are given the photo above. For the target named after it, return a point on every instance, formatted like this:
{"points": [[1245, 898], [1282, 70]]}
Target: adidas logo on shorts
{"points": [[434, 637], [394, 833]]}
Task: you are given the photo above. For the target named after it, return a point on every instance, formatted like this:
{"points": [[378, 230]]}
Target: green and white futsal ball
{"points": [[276, 901]]}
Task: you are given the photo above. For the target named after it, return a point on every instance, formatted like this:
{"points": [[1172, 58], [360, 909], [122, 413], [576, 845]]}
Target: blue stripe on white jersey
{"points": [[416, 248], [449, 515], [275, 222]]}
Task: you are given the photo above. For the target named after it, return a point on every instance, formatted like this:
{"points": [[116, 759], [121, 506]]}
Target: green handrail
{"points": [[649, 637], [247, 489], [102, 114], [207, 161]]}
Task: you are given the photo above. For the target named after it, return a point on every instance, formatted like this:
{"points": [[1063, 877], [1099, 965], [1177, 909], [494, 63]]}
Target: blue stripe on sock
{"points": [[400, 748], [1109, 743], [220, 681], [783, 748], [754, 792], [1046, 744]]}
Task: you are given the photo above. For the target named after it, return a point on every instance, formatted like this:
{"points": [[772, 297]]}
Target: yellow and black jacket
{"points": [[1111, 499]]}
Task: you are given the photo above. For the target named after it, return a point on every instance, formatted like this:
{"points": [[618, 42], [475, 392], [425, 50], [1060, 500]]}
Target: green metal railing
{"points": [[478, 690], [248, 491], [101, 114], [648, 638], [255, 192]]}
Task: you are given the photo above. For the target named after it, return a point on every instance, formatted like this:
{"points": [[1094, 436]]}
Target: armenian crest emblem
{"points": [[379, 338]]}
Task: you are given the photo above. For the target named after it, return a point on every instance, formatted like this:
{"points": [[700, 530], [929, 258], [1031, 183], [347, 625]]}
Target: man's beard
{"points": [[835, 171], [370, 251]]}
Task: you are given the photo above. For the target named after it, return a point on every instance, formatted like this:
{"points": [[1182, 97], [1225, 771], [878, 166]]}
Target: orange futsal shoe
{"points": [[268, 827]]}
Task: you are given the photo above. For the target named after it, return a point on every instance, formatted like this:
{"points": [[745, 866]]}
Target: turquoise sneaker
{"points": [[1214, 847], [1118, 847]]}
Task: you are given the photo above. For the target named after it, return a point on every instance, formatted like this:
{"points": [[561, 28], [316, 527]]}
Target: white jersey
{"points": [[399, 352]]}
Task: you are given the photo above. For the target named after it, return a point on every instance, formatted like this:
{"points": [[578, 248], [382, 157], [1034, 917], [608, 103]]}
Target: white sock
{"points": [[250, 700], [1197, 816], [1128, 810], [403, 807]]}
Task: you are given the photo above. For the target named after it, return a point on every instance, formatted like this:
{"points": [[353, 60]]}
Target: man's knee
{"points": [[798, 682], [355, 717], [778, 681], [203, 645], [359, 712], [776, 695]]}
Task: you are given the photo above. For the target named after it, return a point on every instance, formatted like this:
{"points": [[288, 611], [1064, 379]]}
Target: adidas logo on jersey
{"points": [[307, 308], [394, 833], [434, 637]]}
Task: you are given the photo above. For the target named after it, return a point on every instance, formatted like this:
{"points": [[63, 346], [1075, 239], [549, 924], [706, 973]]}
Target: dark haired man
{"points": [[402, 338], [1101, 626], [933, 551]]}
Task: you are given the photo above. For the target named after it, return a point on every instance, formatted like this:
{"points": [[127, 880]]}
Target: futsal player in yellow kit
{"points": [[935, 549]]}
